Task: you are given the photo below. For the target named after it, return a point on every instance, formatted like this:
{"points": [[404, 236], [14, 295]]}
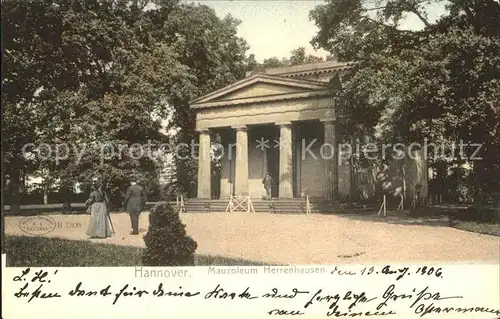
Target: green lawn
{"points": [[483, 220], [477, 227], [24, 251]]}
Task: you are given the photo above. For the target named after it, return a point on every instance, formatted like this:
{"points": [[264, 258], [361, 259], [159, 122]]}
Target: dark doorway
{"points": [[217, 155], [215, 187], [273, 160], [273, 167]]}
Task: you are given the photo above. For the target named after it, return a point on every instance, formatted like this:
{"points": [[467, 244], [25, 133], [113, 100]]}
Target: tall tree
{"points": [[297, 56], [215, 56], [98, 76], [439, 82], [33, 61]]}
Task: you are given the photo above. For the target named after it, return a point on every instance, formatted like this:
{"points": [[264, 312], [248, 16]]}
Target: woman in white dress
{"points": [[100, 222]]}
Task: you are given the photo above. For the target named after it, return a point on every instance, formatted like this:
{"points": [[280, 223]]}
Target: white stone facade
{"points": [[294, 106]]}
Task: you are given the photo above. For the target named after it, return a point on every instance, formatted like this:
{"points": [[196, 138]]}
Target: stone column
{"points": [[241, 170], [285, 178], [297, 134], [331, 160], [204, 166], [344, 167]]}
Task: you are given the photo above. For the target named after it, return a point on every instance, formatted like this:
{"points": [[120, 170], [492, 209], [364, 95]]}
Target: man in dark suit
{"points": [[268, 181], [135, 199]]}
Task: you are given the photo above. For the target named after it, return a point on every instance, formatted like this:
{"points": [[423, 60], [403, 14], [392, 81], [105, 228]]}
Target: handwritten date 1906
{"points": [[405, 271], [401, 272], [388, 270]]}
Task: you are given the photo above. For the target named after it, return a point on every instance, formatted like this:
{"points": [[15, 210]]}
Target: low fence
{"points": [[74, 208]]}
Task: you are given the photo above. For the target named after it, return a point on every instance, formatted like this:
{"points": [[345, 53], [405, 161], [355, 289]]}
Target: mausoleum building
{"points": [[283, 121]]}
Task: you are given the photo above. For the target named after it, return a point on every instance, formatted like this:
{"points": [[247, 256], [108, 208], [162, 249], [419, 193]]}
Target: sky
{"points": [[276, 27]]}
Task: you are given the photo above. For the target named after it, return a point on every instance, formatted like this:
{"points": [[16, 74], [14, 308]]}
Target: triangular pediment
{"points": [[261, 89], [259, 86]]}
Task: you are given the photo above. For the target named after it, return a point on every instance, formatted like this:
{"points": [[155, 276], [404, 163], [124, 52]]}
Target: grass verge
{"points": [[478, 227], [27, 251]]}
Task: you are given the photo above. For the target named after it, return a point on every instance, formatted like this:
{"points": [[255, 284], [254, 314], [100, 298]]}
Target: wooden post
{"points": [[308, 205], [414, 203], [383, 209], [228, 208], [251, 209], [385, 206], [239, 203], [182, 207], [401, 203]]}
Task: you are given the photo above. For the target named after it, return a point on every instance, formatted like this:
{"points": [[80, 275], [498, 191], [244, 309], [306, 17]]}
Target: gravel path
{"points": [[303, 239]]}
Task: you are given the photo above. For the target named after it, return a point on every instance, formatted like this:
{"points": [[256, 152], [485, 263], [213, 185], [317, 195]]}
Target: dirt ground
{"points": [[303, 239]]}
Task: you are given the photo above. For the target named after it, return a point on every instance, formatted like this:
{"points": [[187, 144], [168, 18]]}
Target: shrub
{"points": [[166, 240], [479, 214]]}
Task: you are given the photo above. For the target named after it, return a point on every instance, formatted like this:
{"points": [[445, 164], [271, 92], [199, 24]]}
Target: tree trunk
{"points": [[2, 191], [45, 193], [403, 177], [441, 180], [354, 188], [67, 192], [15, 182], [46, 186], [184, 168]]}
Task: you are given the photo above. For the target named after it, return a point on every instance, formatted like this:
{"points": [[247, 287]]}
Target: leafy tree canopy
{"points": [[98, 75], [440, 82], [297, 56]]}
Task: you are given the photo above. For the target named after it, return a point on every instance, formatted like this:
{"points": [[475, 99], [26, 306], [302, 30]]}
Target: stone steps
{"points": [[292, 205], [195, 205], [278, 205]]}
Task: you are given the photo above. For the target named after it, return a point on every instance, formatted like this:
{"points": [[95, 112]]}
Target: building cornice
{"points": [[260, 78], [262, 99], [309, 69]]}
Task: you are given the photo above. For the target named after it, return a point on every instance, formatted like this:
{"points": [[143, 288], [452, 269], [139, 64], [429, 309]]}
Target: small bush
{"points": [[166, 240], [479, 214], [481, 228]]}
